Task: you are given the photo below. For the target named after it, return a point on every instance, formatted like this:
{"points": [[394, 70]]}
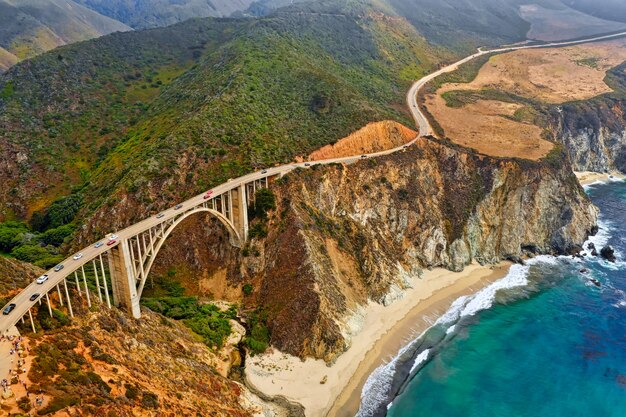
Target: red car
{"points": [[111, 242], [208, 194]]}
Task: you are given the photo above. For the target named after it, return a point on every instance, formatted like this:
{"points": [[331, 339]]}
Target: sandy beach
{"points": [[588, 177], [335, 390]]}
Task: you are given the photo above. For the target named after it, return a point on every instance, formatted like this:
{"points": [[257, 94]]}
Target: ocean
{"points": [[543, 341]]}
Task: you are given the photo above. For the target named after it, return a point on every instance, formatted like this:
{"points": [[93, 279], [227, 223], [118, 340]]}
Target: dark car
{"points": [[8, 309], [58, 267], [178, 206], [34, 297], [363, 156]]}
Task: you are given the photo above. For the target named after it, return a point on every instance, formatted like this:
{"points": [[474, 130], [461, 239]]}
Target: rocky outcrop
{"points": [[594, 134], [343, 235]]}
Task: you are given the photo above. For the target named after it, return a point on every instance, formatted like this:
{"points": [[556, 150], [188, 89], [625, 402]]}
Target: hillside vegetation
{"points": [[135, 121], [28, 28]]}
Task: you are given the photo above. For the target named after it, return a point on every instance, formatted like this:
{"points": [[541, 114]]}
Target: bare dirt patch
{"points": [[374, 137]]}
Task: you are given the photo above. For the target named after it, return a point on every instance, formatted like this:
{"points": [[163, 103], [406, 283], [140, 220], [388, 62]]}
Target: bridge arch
{"points": [[235, 238]]}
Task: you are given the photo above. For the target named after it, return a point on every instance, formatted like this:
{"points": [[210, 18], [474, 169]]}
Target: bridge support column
{"points": [[123, 278], [240, 213]]}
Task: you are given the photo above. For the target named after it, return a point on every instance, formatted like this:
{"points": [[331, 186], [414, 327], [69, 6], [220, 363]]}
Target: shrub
{"points": [[257, 230], [149, 400], [247, 289], [24, 404], [132, 392], [258, 337]]}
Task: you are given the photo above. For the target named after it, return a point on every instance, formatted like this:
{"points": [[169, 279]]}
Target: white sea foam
{"points": [[421, 358], [600, 240], [377, 388]]}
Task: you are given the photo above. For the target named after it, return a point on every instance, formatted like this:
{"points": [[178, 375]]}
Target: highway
{"points": [[23, 304]]}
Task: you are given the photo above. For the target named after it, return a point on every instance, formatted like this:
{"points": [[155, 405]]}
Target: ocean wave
{"points": [[420, 359], [377, 387]]}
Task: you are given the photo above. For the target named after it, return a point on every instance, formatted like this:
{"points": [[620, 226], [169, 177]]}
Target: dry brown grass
{"points": [[554, 76], [482, 126]]}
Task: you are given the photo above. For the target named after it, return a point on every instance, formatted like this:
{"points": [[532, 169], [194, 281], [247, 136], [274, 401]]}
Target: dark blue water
{"points": [[553, 347]]}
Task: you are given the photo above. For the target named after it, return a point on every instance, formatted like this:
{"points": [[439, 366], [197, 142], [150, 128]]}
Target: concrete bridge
{"points": [[120, 263]]}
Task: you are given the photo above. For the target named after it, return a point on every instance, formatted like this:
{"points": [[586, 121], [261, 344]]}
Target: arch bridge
{"points": [[119, 264]]}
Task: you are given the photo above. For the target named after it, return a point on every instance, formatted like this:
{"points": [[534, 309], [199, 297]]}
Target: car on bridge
{"points": [[112, 236], [178, 206], [77, 256], [158, 216], [306, 164], [98, 245], [363, 156], [34, 296], [42, 279], [264, 171], [111, 242], [59, 267], [208, 194], [8, 309]]}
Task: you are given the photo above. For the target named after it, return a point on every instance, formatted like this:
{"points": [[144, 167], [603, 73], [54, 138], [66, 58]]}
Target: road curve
{"points": [[23, 304], [421, 121]]}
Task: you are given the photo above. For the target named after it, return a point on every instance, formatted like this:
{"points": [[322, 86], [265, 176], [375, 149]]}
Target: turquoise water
{"points": [[555, 346]]}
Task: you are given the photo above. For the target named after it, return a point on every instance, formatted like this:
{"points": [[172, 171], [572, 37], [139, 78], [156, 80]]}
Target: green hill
{"points": [[30, 27], [141, 14]]}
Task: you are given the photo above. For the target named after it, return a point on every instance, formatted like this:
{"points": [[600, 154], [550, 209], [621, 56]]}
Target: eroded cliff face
{"points": [[594, 134], [341, 235]]}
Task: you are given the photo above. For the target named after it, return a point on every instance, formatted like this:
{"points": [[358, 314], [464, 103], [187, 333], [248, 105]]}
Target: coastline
{"points": [[335, 390], [590, 177]]}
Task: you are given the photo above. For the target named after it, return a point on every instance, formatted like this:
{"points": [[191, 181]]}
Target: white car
{"points": [[42, 279], [113, 237], [78, 256]]}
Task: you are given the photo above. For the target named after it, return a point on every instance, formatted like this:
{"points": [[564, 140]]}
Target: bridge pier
{"points": [[239, 203], [123, 278]]}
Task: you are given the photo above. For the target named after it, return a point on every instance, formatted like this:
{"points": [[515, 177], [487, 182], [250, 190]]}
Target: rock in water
{"points": [[608, 253], [591, 246]]}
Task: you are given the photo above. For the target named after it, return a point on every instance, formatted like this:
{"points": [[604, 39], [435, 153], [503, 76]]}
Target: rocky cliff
{"points": [[594, 134], [344, 234]]}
